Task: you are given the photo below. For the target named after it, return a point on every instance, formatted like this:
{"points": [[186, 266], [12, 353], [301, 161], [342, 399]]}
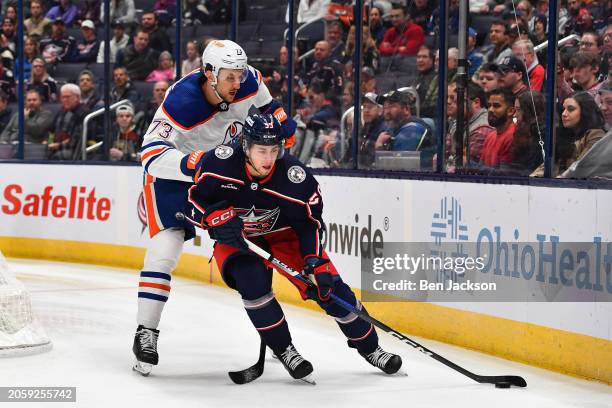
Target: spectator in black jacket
{"points": [[42, 82], [159, 91], [60, 47], [158, 38], [90, 97], [123, 88], [68, 125], [138, 59], [87, 48]]}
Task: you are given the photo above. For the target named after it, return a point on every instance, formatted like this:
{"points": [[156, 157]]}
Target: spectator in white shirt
{"points": [[118, 42]]}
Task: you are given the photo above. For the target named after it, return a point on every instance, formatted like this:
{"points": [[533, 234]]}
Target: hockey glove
{"points": [[191, 164], [320, 270], [224, 225]]}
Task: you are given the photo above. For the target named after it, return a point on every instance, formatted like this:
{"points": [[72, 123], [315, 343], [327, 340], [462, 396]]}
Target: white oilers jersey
{"points": [[186, 122]]}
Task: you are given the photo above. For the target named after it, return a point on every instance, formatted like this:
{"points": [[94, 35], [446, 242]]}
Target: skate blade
{"points": [[143, 369], [309, 379]]}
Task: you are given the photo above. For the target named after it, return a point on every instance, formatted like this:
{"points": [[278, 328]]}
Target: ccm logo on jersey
{"points": [[220, 217]]}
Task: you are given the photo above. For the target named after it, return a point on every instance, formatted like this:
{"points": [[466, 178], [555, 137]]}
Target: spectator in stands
{"points": [[89, 46], [5, 112], [497, 147], [310, 10], [334, 32], [165, 69], [165, 11], [498, 34], [404, 37], [605, 98], [122, 88], [90, 97], [373, 125], [64, 10], [159, 91], [368, 80], [68, 124], [488, 76], [60, 47], [421, 12], [585, 71], [577, 16], [122, 10], [7, 38], [37, 24], [377, 27], [11, 13], [326, 68], [158, 38], [474, 57], [426, 82], [583, 122], [539, 29], [138, 58], [7, 82], [475, 113], [591, 42], [127, 142], [42, 82], [525, 13], [37, 122], [193, 62], [90, 10], [369, 52], [529, 111], [513, 75], [325, 114], [452, 63], [30, 52], [118, 42], [406, 132], [524, 51]]}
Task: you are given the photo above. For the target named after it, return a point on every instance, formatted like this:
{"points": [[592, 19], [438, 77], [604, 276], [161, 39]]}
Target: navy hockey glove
{"points": [[224, 225], [191, 164], [320, 269]]}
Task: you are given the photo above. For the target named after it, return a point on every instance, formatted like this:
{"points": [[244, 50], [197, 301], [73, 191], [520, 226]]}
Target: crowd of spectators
{"points": [[504, 109]]}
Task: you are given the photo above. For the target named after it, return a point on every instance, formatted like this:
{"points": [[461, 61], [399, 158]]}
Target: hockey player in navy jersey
{"points": [[202, 110], [253, 187]]}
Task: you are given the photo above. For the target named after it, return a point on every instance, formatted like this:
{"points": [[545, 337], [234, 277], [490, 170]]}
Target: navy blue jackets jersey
{"points": [[288, 198]]}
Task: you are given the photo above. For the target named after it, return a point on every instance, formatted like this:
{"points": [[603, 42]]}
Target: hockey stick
{"points": [[252, 373], [500, 381]]}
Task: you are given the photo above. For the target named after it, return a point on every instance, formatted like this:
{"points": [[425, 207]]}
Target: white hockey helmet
{"points": [[221, 54]]}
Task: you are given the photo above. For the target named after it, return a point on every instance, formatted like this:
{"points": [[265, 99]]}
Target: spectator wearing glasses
{"points": [[42, 82], [524, 51]]}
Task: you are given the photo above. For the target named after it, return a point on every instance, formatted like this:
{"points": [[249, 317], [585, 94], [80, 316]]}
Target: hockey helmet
{"points": [[227, 54], [264, 130]]}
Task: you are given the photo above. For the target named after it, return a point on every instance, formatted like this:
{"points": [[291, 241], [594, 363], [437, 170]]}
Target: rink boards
{"points": [[95, 214]]}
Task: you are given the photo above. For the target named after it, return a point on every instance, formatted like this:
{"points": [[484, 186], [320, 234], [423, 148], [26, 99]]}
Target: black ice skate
{"points": [[389, 363], [145, 350], [296, 365]]}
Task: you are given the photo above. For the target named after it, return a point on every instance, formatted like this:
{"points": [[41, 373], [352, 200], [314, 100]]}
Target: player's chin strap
{"points": [[501, 381], [223, 105]]}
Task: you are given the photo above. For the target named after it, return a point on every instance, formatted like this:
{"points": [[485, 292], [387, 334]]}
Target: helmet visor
{"points": [[231, 75]]}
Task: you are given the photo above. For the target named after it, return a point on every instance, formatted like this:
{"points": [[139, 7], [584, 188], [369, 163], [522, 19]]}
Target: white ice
{"points": [[89, 313]]}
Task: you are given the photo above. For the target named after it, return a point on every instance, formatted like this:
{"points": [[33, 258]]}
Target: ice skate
{"points": [[145, 350], [296, 365]]}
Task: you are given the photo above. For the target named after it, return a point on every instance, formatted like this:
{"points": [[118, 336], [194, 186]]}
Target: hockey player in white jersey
{"points": [[202, 110]]}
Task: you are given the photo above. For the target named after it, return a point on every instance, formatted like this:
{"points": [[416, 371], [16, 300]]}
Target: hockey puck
{"points": [[502, 385]]}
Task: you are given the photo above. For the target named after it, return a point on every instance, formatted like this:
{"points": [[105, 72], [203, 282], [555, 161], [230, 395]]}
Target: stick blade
{"points": [[247, 375], [514, 380]]}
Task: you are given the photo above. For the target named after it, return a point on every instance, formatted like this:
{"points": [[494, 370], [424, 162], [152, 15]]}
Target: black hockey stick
{"points": [[500, 381], [252, 373]]}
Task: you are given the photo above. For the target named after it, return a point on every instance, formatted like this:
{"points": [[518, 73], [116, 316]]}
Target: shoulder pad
{"points": [[185, 104]]}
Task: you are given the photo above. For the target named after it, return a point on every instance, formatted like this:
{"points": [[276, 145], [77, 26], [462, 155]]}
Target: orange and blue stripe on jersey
{"points": [[150, 152]]}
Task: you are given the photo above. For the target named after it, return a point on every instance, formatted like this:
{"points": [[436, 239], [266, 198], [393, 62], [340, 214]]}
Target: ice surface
{"points": [[89, 313]]}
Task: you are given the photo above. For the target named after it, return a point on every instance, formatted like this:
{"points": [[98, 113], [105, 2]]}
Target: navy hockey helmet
{"points": [[264, 130]]}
